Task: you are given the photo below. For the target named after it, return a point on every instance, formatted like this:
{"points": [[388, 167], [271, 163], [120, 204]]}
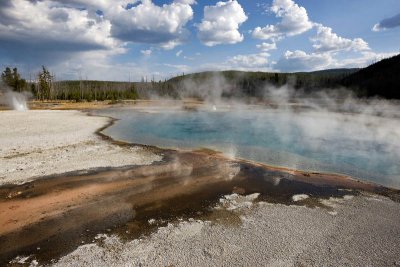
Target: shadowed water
{"points": [[363, 146]]}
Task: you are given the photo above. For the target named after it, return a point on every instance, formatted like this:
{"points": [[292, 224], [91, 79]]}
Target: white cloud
{"points": [[388, 23], [294, 21], [149, 23], [249, 61], [143, 21], [328, 41], [173, 43], [221, 22], [146, 52], [51, 26], [53, 32], [301, 61], [243, 62], [266, 46], [97, 65], [46, 31], [178, 54], [365, 59]]}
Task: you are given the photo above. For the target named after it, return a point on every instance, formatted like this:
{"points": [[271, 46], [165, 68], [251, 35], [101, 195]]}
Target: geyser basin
{"points": [[363, 146]]}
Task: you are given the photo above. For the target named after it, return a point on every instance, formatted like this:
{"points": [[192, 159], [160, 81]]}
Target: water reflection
{"points": [[359, 145]]}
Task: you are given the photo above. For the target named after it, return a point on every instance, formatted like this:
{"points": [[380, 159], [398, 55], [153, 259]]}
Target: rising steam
{"points": [[13, 100], [360, 136]]}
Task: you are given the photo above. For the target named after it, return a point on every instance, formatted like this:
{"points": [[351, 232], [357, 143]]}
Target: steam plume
{"points": [[13, 100]]}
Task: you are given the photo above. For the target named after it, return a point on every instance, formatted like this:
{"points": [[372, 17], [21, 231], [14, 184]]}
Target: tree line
{"points": [[46, 88], [380, 79]]}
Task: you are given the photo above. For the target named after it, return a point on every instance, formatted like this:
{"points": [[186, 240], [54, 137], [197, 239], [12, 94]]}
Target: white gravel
{"points": [[365, 232], [235, 201], [299, 197], [40, 143]]}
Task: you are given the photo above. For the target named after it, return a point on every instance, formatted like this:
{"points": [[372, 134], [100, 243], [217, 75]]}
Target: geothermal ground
{"points": [[40, 143], [71, 198]]}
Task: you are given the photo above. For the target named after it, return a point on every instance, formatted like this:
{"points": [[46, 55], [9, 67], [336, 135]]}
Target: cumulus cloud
{"points": [[301, 61], [61, 33], [250, 61], [142, 21], [51, 30], [266, 46], [366, 58], [221, 22], [98, 65], [388, 23], [294, 21], [28, 28], [153, 24], [328, 41]]}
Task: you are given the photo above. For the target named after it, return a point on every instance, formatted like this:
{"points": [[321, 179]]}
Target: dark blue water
{"points": [[364, 147]]}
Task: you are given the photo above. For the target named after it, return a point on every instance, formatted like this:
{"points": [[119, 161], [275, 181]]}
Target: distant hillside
{"points": [[252, 84], [379, 79], [298, 79], [341, 71]]}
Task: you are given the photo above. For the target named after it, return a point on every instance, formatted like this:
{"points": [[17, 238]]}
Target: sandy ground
{"points": [[356, 231], [40, 143]]}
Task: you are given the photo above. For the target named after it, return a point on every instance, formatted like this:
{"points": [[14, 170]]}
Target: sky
{"points": [[126, 40]]}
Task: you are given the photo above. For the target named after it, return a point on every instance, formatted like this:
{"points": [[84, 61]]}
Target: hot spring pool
{"points": [[363, 146]]}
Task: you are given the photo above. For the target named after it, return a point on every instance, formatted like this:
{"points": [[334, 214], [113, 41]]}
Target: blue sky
{"points": [[126, 40]]}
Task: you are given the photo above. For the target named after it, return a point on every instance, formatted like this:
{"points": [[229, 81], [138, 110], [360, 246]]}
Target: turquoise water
{"points": [[364, 147]]}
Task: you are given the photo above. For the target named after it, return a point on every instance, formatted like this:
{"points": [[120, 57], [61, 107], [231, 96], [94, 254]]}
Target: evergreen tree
{"points": [[6, 76], [13, 79], [44, 89], [18, 83]]}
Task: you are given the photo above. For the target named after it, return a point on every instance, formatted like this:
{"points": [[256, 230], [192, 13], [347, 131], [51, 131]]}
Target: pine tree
{"points": [[18, 83], [45, 84], [6, 76], [13, 79]]}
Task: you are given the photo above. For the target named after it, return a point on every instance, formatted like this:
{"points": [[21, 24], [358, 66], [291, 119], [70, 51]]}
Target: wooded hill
{"points": [[379, 79], [252, 84]]}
